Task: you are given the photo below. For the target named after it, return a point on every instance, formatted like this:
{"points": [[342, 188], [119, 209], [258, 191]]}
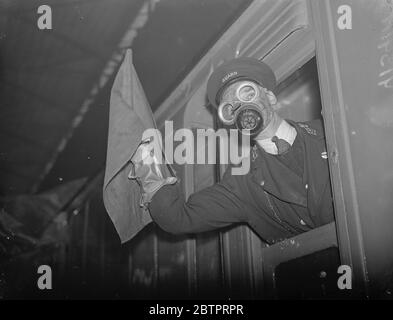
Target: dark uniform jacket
{"points": [[280, 197]]}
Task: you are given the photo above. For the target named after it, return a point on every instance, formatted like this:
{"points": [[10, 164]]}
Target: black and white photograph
{"points": [[195, 156]]}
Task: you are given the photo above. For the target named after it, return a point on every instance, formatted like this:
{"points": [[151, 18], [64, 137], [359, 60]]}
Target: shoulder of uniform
{"points": [[313, 128]]}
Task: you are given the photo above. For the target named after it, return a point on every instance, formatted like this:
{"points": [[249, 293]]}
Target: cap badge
{"points": [[228, 76]]}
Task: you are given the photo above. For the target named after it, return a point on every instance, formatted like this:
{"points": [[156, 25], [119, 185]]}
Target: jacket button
{"points": [[302, 223]]}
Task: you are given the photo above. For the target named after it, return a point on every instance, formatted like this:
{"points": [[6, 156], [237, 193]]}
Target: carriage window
{"points": [[298, 95]]}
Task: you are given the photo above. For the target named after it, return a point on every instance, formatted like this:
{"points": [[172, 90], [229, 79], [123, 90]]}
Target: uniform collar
{"points": [[285, 131], [257, 151]]}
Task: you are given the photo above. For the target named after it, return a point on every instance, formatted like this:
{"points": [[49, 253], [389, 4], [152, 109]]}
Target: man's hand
{"points": [[150, 174]]}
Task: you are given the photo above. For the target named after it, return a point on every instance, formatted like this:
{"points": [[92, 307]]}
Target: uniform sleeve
{"points": [[208, 209]]}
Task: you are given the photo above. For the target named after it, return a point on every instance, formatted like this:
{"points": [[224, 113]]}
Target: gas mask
{"points": [[244, 110]]}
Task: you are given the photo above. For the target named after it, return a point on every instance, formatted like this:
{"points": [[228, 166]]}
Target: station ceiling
{"points": [[46, 76]]}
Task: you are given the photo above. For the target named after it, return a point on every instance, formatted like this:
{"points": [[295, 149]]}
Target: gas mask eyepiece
{"points": [[244, 112]]}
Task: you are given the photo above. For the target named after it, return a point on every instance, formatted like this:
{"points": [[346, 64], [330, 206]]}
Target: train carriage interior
{"points": [[177, 45]]}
